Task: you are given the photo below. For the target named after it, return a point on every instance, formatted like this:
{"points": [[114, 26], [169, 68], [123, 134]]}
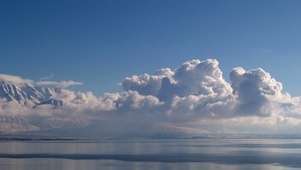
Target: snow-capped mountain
{"points": [[30, 98], [29, 95]]}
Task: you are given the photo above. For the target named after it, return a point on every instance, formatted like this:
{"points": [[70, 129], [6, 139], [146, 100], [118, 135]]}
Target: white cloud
{"points": [[18, 79], [12, 109], [256, 91], [81, 102], [11, 78], [46, 78], [195, 88], [61, 84], [197, 91], [132, 100], [144, 84], [192, 78]]}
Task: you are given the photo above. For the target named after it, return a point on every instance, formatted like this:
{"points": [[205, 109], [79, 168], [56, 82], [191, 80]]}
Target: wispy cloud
{"points": [[46, 78], [12, 78], [61, 84]]}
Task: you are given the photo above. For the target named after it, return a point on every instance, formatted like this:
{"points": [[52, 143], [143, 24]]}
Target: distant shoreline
{"points": [[37, 138]]}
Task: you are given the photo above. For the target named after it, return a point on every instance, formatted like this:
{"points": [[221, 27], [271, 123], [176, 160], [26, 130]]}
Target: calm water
{"points": [[226, 154]]}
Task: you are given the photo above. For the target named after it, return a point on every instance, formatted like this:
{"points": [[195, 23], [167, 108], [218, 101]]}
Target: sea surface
{"points": [[179, 154]]}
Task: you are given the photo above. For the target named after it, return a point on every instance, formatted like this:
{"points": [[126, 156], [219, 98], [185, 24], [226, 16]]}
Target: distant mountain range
{"points": [[31, 97]]}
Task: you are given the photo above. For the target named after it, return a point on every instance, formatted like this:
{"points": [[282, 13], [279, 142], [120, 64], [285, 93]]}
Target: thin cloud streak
{"points": [[61, 84], [46, 78]]}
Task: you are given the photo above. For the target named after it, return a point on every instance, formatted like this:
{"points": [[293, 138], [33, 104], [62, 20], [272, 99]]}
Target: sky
{"points": [[168, 62], [100, 42]]}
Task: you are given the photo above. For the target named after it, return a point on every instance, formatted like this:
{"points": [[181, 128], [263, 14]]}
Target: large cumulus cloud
{"points": [[191, 78], [256, 91], [197, 90]]}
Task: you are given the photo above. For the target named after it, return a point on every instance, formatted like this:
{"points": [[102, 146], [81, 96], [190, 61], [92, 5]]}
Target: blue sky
{"points": [[100, 42]]}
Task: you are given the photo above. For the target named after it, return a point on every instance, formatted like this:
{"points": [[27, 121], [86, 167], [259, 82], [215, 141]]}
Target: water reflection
{"points": [[152, 154]]}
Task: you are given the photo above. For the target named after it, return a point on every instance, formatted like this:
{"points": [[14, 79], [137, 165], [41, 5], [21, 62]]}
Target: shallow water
{"points": [[226, 154]]}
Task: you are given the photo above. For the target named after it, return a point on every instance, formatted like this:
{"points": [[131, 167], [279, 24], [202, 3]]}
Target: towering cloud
{"points": [[192, 78], [195, 88], [256, 91]]}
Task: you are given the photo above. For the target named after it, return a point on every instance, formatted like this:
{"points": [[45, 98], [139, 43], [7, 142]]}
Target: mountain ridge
{"points": [[27, 94], [32, 97]]}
